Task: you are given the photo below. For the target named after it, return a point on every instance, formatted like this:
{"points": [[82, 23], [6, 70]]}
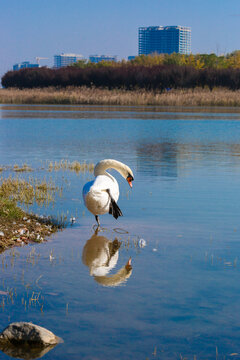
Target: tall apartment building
{"points": [[164, 40], [99, 58], [66, 59]]}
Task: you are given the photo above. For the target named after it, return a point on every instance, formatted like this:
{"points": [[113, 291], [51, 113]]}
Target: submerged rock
{"points": [[28, 333]]}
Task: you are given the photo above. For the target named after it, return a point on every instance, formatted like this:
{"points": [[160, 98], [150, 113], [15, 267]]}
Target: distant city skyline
{"points": [[30, 29]]}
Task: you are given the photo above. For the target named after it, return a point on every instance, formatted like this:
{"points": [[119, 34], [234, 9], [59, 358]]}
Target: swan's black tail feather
{"points": [[114, 209]]}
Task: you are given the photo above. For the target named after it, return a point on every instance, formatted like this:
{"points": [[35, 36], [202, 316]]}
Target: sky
{"points": [[44, 28]]}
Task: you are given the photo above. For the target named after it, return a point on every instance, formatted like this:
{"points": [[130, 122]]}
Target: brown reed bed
{"points": [[97, 96]]}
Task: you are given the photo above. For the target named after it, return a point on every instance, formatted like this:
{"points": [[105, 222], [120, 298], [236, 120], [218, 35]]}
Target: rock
{"points": [[22, 231], [25, 352], [142, 243], [28, 333], [1, 233]]}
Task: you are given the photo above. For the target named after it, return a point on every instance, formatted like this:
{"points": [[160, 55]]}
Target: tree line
{"points": [[129, 77], [198, 61]]}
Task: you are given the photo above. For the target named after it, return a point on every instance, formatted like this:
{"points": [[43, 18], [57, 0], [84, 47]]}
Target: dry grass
{"points": [[23, 168], [73, 166], [29, 192], [95, 96], [18, 227]]}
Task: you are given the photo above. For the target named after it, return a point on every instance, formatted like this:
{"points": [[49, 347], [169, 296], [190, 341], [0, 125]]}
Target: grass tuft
{"points": [[72, 166], [27, 192]]}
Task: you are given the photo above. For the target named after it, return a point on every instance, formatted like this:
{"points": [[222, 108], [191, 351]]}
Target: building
{"points": [[131, 57], [24, 65], [99, 58], [164, 40], [66, 59]]}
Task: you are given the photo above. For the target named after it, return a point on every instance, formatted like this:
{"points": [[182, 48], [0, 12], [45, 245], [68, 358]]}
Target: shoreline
{"points": [[18, 226], [24, 230], [219, 97]]}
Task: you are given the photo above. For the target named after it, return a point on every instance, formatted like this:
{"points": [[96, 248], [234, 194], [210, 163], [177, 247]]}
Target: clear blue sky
{"points": [[30, 28]]}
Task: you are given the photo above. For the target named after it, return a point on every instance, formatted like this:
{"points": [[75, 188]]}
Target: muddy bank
{"points": [[24, 230]]}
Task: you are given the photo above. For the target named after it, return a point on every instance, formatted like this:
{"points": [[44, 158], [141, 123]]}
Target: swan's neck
{"points": [[102, 166]]}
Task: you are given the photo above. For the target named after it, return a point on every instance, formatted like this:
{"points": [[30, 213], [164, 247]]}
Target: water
{"points": [[182, 297]]}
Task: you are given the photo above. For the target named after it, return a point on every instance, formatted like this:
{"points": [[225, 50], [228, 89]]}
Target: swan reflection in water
{"points": [[101, 256]]}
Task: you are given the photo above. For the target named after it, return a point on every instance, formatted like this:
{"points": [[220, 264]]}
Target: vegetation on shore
{"points": [[163, 80], [18, 227], [153, 72], [127, 77], [94, 96], [198, 61]]}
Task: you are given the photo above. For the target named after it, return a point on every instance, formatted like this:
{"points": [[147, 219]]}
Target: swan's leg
{"points": [[97, 220], [114, 209]]}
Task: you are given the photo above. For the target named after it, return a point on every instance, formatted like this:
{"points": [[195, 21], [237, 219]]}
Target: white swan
{"points": [[101, 195]]}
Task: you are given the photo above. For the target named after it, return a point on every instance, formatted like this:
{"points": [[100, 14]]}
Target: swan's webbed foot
{"points": [[97, 220]]}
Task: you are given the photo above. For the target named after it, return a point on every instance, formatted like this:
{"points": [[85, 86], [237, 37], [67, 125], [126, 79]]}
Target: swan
{"points": [[101, 195]]}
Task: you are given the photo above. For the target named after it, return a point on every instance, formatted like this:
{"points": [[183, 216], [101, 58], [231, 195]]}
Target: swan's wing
{"points": [[86, 189], [104, 182], [96, 195]]}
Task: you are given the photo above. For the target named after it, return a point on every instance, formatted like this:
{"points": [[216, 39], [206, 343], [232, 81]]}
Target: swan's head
{"points": [[123, 169], [127, 173], [129, 179]]}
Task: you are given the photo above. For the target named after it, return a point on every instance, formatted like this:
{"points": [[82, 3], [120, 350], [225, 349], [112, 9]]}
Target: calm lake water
{"points": [[182, 297]]}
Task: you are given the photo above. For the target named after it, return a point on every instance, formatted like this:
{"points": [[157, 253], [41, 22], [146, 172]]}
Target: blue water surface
{"points": [[182, 297]]}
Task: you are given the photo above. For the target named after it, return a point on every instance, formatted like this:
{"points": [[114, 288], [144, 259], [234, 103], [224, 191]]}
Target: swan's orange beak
{"points": [[129, 180]]}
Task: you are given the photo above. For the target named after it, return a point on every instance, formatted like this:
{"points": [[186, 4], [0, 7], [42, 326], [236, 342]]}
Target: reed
{"points": [[29, 191], [18, 227], [98, 96], [24, 168], [75, 166]]}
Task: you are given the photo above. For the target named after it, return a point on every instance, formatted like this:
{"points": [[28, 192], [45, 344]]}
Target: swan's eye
{"points": [[129, 180]]}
